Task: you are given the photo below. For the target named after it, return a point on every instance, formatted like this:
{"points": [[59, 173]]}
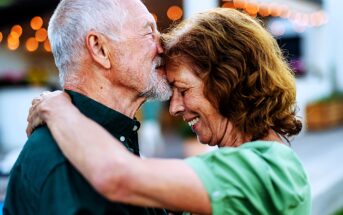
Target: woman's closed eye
{"points": [[182, 91]]}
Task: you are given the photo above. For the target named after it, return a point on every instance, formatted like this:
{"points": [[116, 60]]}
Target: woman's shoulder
{"points": [[252, 173]]}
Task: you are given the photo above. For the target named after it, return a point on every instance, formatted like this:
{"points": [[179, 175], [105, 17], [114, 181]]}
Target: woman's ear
{"points": [[98, 49]]}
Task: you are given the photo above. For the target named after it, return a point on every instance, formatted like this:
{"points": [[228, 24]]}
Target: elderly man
{"points": [[108, 56]]}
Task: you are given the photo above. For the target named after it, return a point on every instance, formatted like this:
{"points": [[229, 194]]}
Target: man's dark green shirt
{"points": [[43, 181]]}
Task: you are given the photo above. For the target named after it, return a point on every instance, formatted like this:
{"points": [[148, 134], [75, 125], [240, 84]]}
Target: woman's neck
{"points": [[273, 136], [235, 138]]}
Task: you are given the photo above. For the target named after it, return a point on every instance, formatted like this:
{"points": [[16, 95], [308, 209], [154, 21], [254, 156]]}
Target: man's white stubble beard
{"points": [[158, 88]]}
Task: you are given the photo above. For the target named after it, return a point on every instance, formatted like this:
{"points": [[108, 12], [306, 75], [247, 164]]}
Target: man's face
{"points": [[139, 52]]}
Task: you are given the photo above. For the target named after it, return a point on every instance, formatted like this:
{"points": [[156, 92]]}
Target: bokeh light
{"points": [[41, 35], [174, 13], [275, 10], [12, 42], [264, 9], [16, 31], [252, 8], [228, 5], [240, 4], [155, 16], [36, 22], [47, 46], [31, 44]]}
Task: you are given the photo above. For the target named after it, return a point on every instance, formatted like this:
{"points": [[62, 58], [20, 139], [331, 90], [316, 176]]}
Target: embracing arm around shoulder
{"points": [[116, 173]]}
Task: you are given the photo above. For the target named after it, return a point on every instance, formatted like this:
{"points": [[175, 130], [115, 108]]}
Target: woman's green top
{"points": [[260, 177]]}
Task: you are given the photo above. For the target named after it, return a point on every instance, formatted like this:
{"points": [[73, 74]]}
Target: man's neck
{"points": [[119, 99]]}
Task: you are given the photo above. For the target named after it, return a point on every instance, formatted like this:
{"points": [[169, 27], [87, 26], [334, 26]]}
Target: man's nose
{"points": [[176, 107]]}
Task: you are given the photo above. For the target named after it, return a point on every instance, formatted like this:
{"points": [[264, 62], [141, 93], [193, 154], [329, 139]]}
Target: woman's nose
{"points": [[176, 107]]}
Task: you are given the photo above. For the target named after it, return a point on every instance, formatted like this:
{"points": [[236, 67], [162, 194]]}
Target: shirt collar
{"points": [[114, 122]]}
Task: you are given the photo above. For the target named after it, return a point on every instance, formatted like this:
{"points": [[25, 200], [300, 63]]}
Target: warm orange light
{"points": [[297, 18], [41, 35], [47, 46], [13, 47], [174, 13], [275, 10], [16, 31], [252, 8], [241, 4], [317, 19], [313, 19], [155, 16], [264, 9], [285, 12], [36, 22], [228, 5], [31, 44], [305, 20], [1, 37], [12, 42]]}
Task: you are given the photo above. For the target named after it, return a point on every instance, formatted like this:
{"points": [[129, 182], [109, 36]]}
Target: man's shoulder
{"points": [[39, 157]]}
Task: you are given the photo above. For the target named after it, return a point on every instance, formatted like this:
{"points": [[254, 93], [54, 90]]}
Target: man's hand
{"points": [[42, 106]]}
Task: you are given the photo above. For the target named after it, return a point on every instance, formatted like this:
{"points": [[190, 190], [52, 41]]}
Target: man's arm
{"points": [[96, 154]]}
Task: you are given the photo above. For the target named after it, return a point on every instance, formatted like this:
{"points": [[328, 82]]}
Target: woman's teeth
{"points": [[191, 123]]}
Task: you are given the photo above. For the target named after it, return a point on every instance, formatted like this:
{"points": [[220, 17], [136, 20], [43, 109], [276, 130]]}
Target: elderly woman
{"points": [[232, 85]]}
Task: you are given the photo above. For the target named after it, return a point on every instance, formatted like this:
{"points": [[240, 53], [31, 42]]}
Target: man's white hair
{"points": [[70, 23]]}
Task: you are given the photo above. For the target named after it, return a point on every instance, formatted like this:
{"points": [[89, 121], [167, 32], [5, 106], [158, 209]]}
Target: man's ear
{"points": [[98, 49]]}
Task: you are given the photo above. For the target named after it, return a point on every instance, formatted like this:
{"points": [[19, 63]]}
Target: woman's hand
{"points": [[46, 105]]}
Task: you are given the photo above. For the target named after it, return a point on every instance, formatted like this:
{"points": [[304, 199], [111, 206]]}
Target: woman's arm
{"points": [[112, 169]]}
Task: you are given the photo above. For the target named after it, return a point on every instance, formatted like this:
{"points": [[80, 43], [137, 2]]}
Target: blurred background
{"points": [[309, 31]]}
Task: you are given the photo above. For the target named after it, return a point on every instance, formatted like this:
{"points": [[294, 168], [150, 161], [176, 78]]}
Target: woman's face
{"points": [[189, 101]]}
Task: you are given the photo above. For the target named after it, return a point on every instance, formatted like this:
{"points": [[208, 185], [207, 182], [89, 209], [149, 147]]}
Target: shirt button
{"points": [[135, 128], [122, 138]]}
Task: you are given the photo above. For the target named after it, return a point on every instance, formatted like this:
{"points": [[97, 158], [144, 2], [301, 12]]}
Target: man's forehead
{"points": [[142, 15], [136, 7]]}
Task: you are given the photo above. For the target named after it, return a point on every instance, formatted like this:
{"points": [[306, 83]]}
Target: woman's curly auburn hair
{"points": [[244, 72]]}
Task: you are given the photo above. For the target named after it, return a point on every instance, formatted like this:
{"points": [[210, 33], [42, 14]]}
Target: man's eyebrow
{"points": [[150, 24], [172, 83]]}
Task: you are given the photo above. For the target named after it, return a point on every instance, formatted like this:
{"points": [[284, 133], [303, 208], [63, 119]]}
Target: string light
{"points": [[265, 9], [300, 20]]}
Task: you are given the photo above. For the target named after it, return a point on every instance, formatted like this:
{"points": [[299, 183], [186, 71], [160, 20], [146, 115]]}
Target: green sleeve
{"points": [[264, 179]]}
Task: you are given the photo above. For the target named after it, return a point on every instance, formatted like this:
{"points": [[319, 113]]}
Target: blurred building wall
{"points": [[193, 6], [13, 63], [335, 35]]}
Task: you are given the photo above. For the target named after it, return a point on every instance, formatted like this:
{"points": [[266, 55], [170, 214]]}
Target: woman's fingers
{"points": [[34, 119], [46, 101]]}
